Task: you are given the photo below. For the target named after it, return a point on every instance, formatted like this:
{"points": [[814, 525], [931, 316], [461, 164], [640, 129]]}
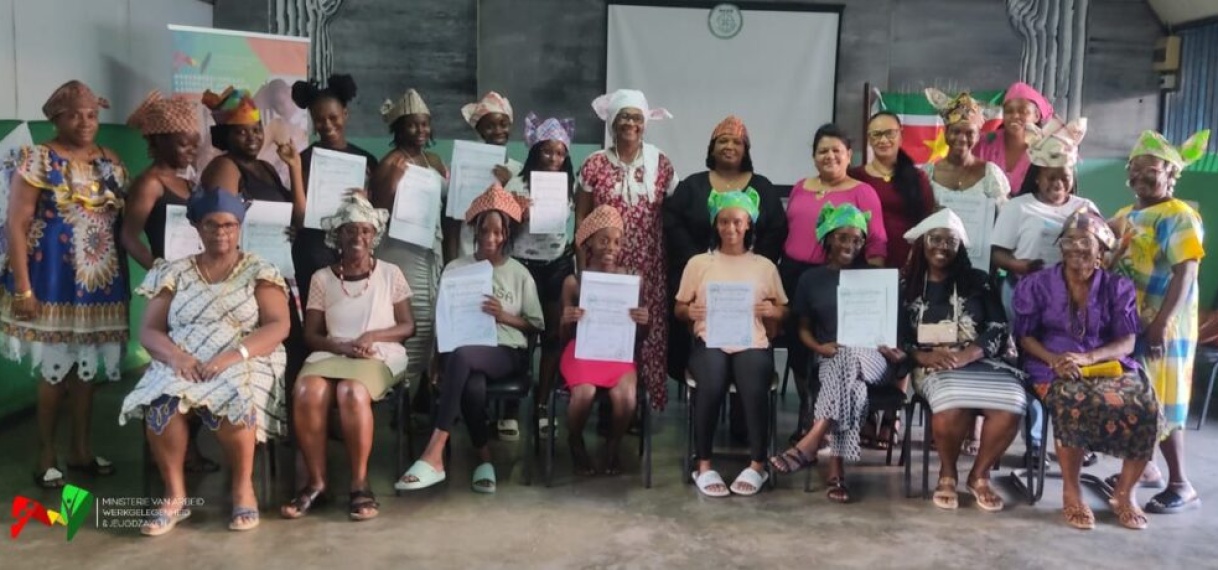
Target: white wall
{"points": [[120, 48]]}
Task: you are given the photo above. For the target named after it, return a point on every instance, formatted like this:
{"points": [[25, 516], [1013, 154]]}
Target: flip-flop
{"points": [[52, 478], [1129, 516], [306, 499], [363, 505], [1079, 516], [752, 478], [986, 498], [484, 474], [162, 523], [509, 430], [837, 491], [1111, 481], [945, 496], [247, 514], [424, 476], [706, 479], [98, 467], [1170, 502]]}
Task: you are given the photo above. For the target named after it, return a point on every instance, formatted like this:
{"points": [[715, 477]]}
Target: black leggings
{"points": [[715, 371], [467, 370]]}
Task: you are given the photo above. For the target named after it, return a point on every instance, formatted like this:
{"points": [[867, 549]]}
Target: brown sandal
{"points": [[1079, 516], [837, 491], [945, 496], [1129, 516], [987, 499]]}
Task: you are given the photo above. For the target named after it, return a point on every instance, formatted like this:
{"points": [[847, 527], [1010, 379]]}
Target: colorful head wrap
{"points": [[1087, 219], [72, 95], [205, 202], [232, 107], [607, 106], [944, 218], [747, 200], [552, 129], [490, 103], [836, 217], [731, 126], [1156, 145], [158, 115], [959, 109], [1056, 143], [604, 216], [355, 209], [1021, 90], [410, 103], [495, 198]]}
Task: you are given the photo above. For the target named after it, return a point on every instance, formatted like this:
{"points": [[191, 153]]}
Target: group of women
{"points": [[229, 351]]}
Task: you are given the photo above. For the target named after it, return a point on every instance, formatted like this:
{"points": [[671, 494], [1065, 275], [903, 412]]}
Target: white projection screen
{"points": [[777, 73]]}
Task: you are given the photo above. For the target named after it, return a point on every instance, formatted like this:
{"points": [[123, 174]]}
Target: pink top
{"points": [[993, 148], [804, 208], [362, 306]]}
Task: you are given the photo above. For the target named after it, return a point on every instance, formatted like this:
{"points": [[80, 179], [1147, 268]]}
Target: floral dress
{"points": [[76, 269], [640, 201]]}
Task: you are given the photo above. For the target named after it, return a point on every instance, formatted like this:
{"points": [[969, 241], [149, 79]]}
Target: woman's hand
{"points": [[827, 350], [938, 359], [26, 309], [766, 310], [572, 315], [893, 355], [290, 231], [1156, 335], [1029, 266], [287, 153], [502, 174], [1069, 364], [492, 307], [641, 316], [186, 366], [697, 312], [397, 163], [218, 363], [364, 346]]}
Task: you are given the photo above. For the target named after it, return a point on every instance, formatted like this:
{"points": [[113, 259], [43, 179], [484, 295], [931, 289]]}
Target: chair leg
{"points": [[1209, 394], [645, 434], [532, 440], [551, 446], [905, 448], [929, 437], [786, 373]]}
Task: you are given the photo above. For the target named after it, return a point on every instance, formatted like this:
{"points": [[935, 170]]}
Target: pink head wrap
{"points": [[1021, 90]]}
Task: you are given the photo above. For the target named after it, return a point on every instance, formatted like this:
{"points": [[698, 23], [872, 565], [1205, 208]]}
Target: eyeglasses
{"points": [[890, 134], [949, 242], [630, 118], [214, 228], [1077, 244]]}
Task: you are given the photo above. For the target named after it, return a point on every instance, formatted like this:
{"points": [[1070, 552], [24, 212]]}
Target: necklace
{"points": [[342, 281], [419, 159], [823, 187], [730, 183], [877, 170], [206, 275]]}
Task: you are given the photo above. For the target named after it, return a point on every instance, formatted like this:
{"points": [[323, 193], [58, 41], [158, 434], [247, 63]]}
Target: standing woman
{"points": [[635, 177], [1022, 106], [64, 302], [410, 122], [903, 188], [688, 230], [327, 106], [491, 117], [1160, 246], [961, 170]]}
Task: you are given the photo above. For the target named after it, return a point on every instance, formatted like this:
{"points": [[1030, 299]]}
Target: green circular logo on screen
{"points": [[725, 21]]}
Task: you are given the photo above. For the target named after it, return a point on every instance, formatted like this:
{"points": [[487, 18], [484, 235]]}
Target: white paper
{"points": [[11, 145], [10, 155], [550, 206], [459, 317], [977, 212], [867, 308], [416, 207], [331, 175], [471, 173], [181, 238], [264, 232], [606, 331], [729, 314]]}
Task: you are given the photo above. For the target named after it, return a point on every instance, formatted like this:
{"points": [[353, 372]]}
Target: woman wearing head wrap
{"points": [[635, 178], [1022, 106], [238, 133], [327, 106], [600, 235], [1068, 318], [409, 121], [688, 227], [750, 367], [961, 170], [955, 333], [843, 372], [495, 215], [357, 317], [64, 300], [491, 117], [214, 327], [1159, 246]]}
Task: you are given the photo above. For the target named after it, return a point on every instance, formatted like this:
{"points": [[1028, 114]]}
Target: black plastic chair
{"points": [[1030, 479], [561, 393], [916, 402], [1209, 356], [401, 425], [687, 463]]}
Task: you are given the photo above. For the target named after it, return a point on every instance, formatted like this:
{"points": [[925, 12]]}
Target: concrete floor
{"points": [[607, 522]]}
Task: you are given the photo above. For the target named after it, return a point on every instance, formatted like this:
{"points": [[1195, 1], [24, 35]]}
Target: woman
{"points": [[961, 170], [1160, 246], [688, 229], [1067, 318], [750, 367], [549, 258], [844, 372], [410, 122], [357, 317], [1022, 106], [831, 185], [600, 235], [214, 326], [64, 303], [955, 333], [635, 177], [327, 106], [468, 369], [903, 189], [491, 117]]}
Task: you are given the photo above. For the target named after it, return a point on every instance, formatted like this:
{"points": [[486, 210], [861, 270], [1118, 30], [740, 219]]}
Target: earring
{"points": [[1127, 184]]}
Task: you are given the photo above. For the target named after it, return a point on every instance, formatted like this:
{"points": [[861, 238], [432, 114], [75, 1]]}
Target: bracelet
{"points": [[28, 293], [245, 352]]}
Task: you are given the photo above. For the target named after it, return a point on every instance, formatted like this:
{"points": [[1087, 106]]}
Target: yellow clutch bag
{"points": [[1109, 369]]}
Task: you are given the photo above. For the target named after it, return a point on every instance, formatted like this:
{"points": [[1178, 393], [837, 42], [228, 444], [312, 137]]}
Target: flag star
{"points": [[938, 147]]}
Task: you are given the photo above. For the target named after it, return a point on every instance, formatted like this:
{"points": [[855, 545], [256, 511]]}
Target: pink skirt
{"points": [[599, 373]]}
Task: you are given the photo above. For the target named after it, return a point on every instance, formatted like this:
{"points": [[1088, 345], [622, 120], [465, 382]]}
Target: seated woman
{"points": [[955, 332], [214, 326], [749, 367], [843, 371], [1069, 317], [600, 234], [357, 317], [466, 371]]}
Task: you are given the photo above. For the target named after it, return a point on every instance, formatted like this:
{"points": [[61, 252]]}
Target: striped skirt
{"points": [[422, 270], [983, 385], [842, 397]]}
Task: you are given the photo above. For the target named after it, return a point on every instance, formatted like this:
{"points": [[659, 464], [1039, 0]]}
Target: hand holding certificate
{"points": [[416, 207], [729, 314], [606, 332], [460, 320], [331, 175], [181, 238], [264, 232], [550, 206], [472, 172], [867, 308]]}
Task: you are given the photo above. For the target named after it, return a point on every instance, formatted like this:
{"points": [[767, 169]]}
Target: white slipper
{"points": [[706, 480], [509, 430], [752, 478], [425, 476]]}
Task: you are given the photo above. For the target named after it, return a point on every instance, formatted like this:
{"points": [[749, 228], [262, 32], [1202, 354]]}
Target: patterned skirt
{"points": [[1114, 416], [983, 385], [843, 395]]}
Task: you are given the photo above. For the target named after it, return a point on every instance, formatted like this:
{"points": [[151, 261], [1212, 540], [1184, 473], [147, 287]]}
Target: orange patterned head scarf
{"points": [[232, 107], [731, 126], [158, 115], [604, 216], [72, 95], [959, 109], [495, 198]]}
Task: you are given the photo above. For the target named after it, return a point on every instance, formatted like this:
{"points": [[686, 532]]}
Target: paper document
{"points": [[416, 207], [729, 314], [472, 172], [181, 238], [867, 308], [459, 317], [264, 232], [331, 175], [606, 332]]}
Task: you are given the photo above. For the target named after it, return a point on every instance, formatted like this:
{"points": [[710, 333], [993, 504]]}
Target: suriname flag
{"points": [[921, 127]]}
